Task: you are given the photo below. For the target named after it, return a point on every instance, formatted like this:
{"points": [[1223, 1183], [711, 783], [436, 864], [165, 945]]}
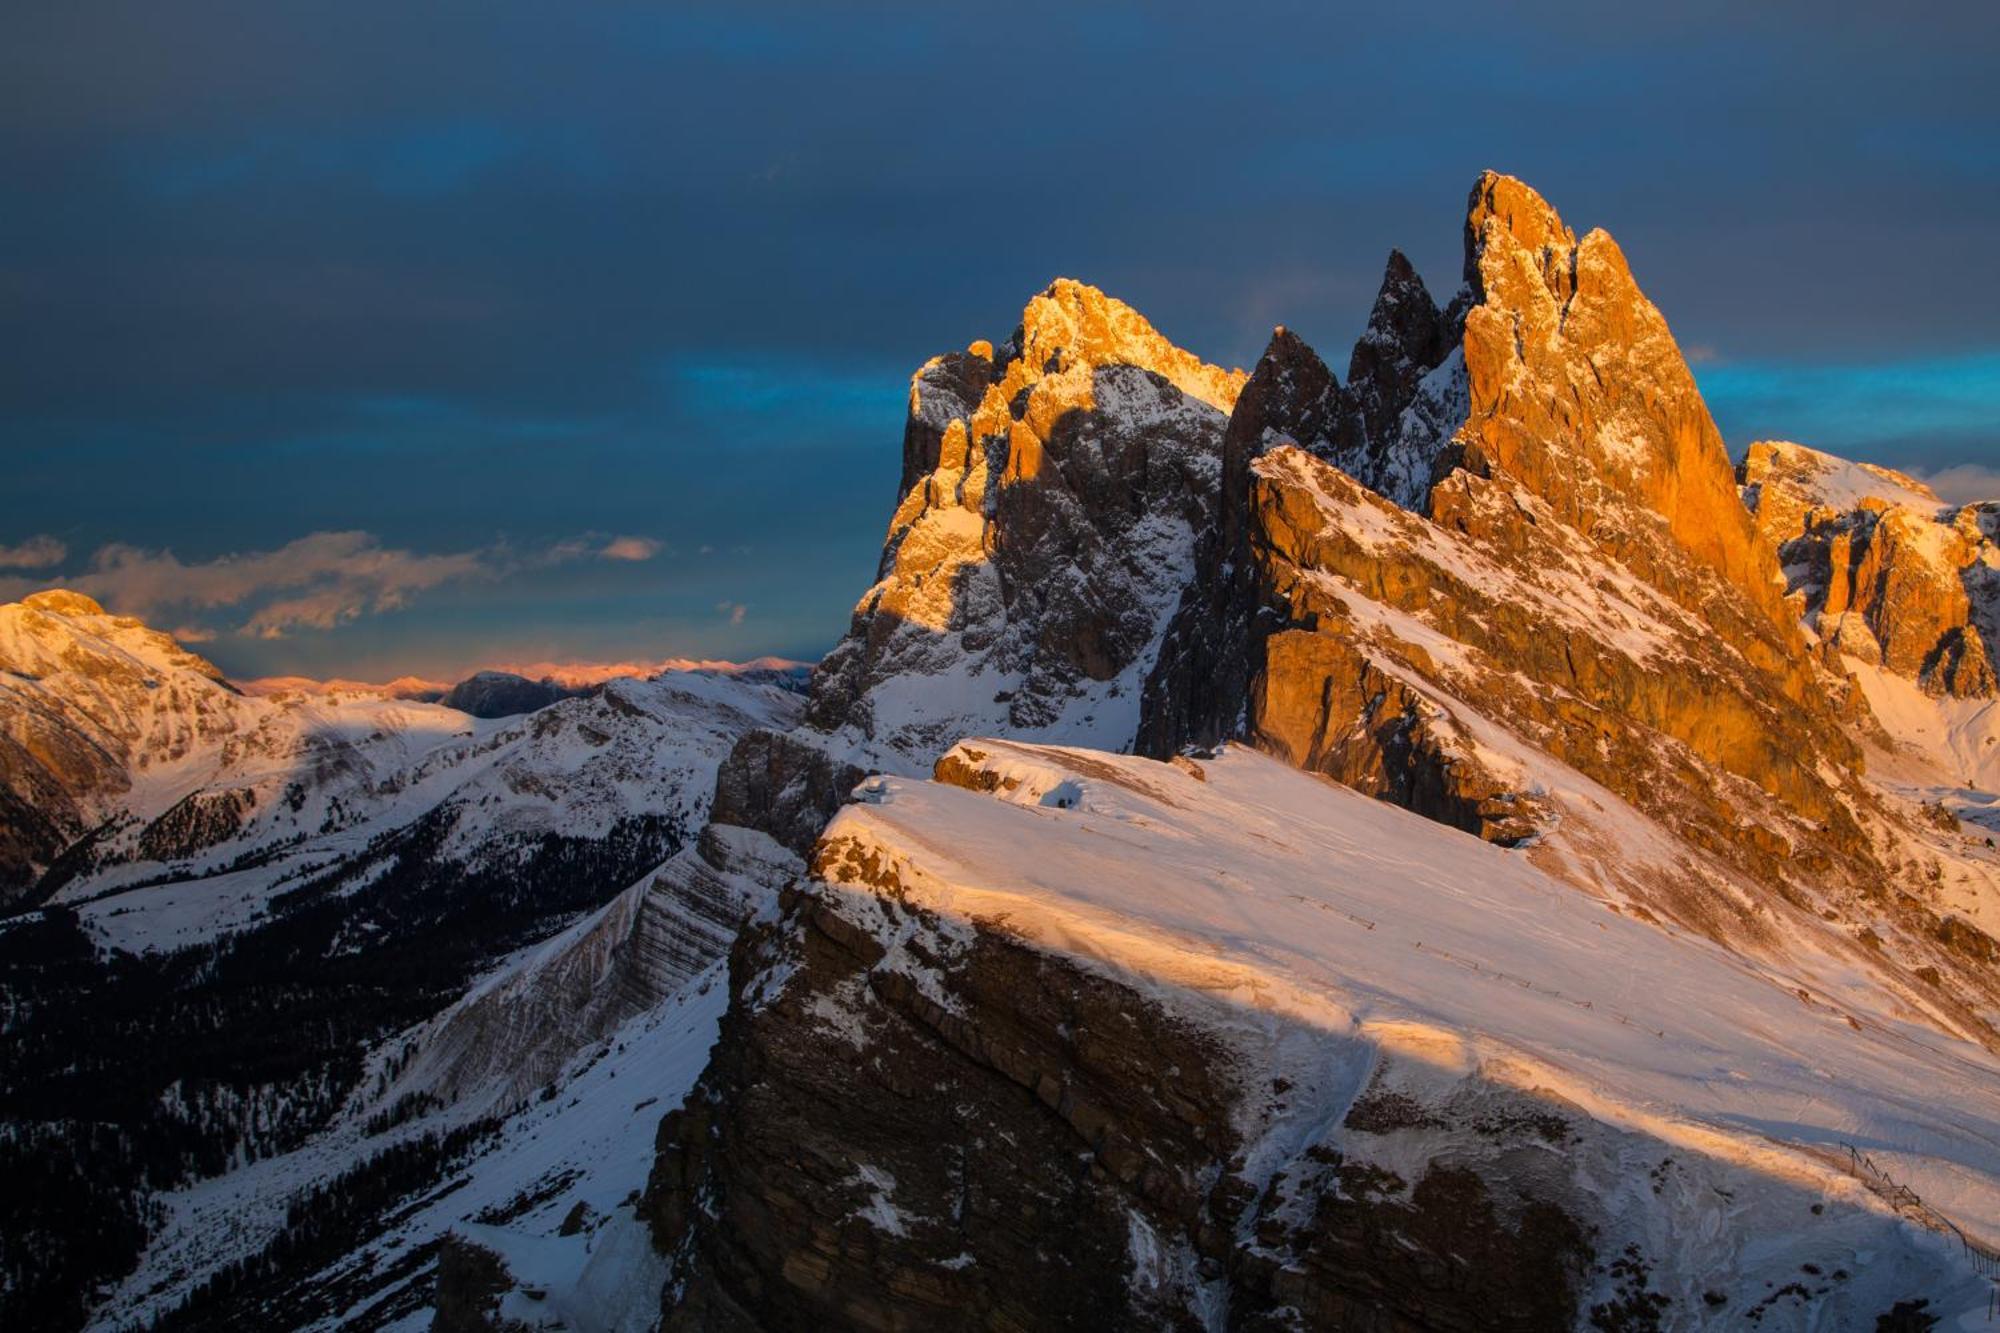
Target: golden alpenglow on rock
{"points": [[1882, 570], [1453, 827], [1052, 493]]}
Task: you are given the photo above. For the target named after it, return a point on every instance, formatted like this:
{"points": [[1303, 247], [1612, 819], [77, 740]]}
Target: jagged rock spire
{"points": [[1052, 490], [1405, 340], [1511, 208]]}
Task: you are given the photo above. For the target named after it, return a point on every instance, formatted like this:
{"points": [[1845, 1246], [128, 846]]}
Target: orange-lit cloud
{"points": [[630, 548], [39, 552], [316, 582], [1967, 483]]}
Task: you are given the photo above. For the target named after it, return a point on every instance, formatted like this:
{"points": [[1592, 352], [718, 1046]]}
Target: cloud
{"points": [[594, 545], [317, 582], [630, 548], [40, 552], [1966, 483], [735, 611], [194, 634]]}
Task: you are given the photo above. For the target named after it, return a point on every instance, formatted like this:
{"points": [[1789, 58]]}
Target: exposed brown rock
{"points": [[1879, 566], [982, 1156], [1052, 493], [1572, 544], [1578, 392], [1322, 705]]}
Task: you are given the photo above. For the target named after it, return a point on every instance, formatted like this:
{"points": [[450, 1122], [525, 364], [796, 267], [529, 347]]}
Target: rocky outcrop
{"points": [[1009, 1140], [517, 1031], [1053, 492], [1321, 703], [1407, 337], [471, 1280], [1879, 567], [786, 785], [503, 694], [1092, 1084], [1530, 534]]}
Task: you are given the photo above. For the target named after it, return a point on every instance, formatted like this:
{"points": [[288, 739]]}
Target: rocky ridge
{"points": [[1067, 1037], [1159, 1085], [1880, 568], [1575, 560], [253, 907], [1051, 496], [1503, 578]]}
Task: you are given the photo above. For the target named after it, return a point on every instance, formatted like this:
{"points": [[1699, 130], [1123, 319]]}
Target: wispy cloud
{"points": [[595, 545], [317, 582], [1966, 483], [732, 611], [630, 548], [41, 552]]}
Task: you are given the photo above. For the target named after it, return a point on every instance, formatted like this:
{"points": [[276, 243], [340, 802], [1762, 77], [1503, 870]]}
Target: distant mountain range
{"points": [[1435, 848], [558, 678]]}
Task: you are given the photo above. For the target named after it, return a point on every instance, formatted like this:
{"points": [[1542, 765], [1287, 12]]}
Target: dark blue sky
{"points": [[502, 331]]}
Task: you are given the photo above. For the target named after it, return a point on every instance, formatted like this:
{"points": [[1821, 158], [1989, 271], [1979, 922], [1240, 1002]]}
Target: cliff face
{"points": [[1881, 568], [1538, 534], [1052, 494], [1242, 1049], [1144, 1048], [1578, 392]]}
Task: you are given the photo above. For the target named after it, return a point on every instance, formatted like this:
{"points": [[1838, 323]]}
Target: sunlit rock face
{"points": [[1062, 1039], [1518, 513], [88, 701], [1502, 578], [1053, 493], [124, 757], [1578, 392], [1879, 567]]}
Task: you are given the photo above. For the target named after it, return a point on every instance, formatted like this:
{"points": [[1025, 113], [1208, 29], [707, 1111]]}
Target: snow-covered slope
{"points": [[158, 772], [1367, 976], [247, 896], [484, 793], [136, 752]]}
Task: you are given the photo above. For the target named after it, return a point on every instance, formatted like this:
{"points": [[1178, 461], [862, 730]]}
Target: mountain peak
{"points": [[63, 602], [1072, 323], [1821, 478], [1405, 319], [1883, 570], [1506, 205], [57, 630], [1579, 393]]}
